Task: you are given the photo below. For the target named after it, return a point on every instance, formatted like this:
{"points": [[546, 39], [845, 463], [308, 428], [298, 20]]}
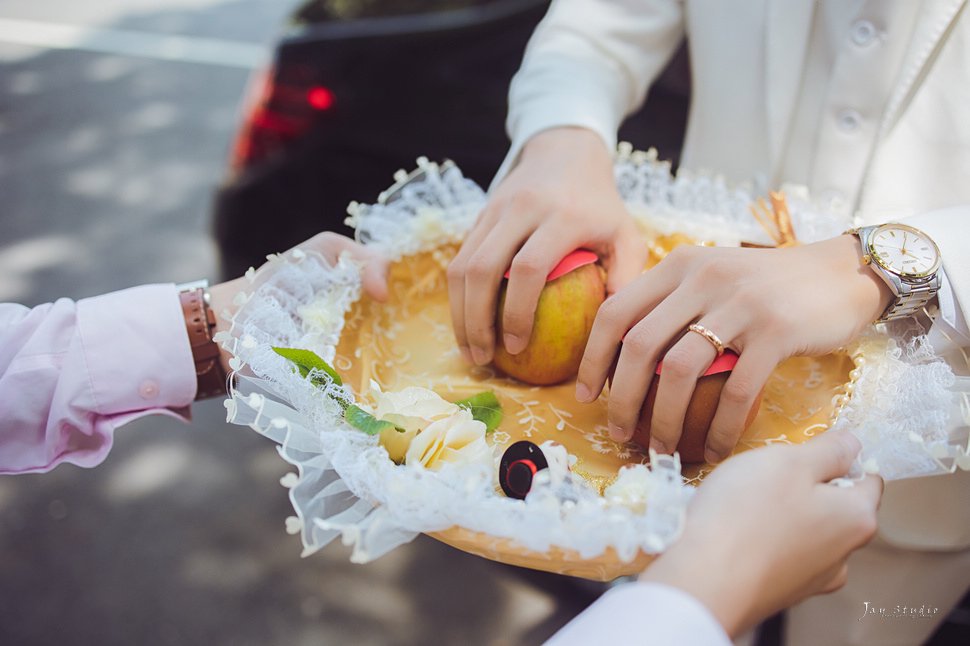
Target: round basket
{"points": [[347, 486]]}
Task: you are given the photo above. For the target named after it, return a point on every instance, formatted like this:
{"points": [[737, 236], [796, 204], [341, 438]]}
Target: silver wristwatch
{"points": [[908, 260]]}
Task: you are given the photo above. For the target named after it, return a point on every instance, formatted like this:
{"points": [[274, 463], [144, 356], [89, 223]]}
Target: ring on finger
{"points": [[711, 337]]}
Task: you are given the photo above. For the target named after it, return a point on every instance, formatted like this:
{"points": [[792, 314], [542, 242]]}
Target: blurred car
{"points": [[360, 88]]}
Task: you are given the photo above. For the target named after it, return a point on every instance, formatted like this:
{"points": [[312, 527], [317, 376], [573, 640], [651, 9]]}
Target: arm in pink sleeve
{"points": [[643, 613], [73, 372]]}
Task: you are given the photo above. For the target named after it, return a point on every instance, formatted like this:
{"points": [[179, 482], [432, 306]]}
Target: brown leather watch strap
{"points": [[200, 321]]}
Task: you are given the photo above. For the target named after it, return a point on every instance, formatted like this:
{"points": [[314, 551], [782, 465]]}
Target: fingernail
{"points": [[582, 393], [617, 433], [514, 344], [712, 457], [658, 446], [479, 355], [466, 353]]}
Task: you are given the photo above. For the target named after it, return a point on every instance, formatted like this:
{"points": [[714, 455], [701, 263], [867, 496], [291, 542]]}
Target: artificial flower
{"points": [[456, 439]]}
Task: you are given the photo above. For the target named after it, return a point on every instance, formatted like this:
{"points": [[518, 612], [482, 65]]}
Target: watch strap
{"points": [[200, 321], [911, 302]]}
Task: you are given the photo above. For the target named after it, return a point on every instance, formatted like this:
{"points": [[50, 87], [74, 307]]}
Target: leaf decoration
{"points": [[484, 407], [364, 421], [307, 360]]}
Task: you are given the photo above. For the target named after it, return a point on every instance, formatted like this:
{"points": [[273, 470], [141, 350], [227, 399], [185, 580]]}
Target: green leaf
{"points": [[364, 421], [485, 408], [307, 360]]}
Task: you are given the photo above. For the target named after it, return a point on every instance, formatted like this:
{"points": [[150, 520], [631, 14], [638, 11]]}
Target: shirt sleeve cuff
{"points": [[644, 613], [136, 350], [558, 90], [948, 228]]}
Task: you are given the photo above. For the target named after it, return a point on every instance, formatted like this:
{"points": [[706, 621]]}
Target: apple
{"points": [[700, 410], [564, 316]]}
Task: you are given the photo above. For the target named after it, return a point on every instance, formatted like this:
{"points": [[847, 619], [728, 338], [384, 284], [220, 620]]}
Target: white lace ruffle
{"points": [[345, 484]]}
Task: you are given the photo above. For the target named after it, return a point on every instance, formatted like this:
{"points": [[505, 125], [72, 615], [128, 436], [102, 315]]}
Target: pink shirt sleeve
{"points": [[73, 372], [643, 613]]}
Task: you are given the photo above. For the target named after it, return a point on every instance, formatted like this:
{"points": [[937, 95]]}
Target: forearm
{"points": [[72, 372], [588, 65]]}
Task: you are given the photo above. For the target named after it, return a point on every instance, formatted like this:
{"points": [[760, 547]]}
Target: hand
{"points": [[764, 530], [330, 246], [560, 197], [766, 304]]}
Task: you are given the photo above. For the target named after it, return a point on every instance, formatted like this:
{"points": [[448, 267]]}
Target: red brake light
{"points": [[320, 98], [279, 108]]}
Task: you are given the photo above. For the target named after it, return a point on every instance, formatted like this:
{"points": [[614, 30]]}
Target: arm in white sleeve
{"points": [[643, 613], [72, 372], [950, 229], [589, 64]]}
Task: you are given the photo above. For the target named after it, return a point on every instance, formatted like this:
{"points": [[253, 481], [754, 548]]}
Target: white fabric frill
{"points": [[905, 405]]}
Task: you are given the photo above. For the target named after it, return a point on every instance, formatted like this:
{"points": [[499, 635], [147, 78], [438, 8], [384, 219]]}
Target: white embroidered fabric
{"points": [[906, 405]]}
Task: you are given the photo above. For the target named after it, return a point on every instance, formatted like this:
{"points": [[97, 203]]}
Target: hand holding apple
{"points": [[563, 319]]}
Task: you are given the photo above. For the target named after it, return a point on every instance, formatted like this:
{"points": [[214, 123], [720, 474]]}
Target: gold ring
{"points": [[710, 336]]}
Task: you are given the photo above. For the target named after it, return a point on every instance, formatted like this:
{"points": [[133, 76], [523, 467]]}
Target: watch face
{"points": [[904, 250]]}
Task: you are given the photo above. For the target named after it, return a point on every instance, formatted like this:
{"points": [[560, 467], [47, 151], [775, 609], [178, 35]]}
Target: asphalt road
{"points": [[109, 153]]}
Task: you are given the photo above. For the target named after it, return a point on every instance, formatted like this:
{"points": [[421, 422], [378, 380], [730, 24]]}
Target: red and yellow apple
{"points": [[700, 410], [564, 317]]}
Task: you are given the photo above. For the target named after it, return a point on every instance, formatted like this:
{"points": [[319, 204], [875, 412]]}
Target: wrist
{"points": [[555, 141], [707, 578], [220, 300], [201, 328], [872, 294]]}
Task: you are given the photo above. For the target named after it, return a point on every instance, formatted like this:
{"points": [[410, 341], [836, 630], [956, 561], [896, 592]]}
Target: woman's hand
{"points": [[766, 304], [561, 196], [764, 530]]}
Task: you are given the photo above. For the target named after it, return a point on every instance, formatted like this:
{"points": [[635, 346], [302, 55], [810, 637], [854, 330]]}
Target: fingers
{"points": [[615, 318], [683, 365], [627, 261], [642, 347], [738, 397], [331, 245], [456, 278], [851, 512], [870, 489], [527, 276], [830, 455], [483, 276], [835, 578], [375, 276]]}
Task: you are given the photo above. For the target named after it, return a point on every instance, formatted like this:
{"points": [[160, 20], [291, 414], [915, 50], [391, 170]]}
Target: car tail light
{"points": [[281, 106]]}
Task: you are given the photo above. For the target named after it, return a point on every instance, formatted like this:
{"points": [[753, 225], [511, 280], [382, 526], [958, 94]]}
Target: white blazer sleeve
{"points": [[589, 64], [643, 613], [950, 229]]}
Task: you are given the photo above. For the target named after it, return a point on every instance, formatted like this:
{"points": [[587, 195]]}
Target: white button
{"points": [[148, 389], [863, 32], [849, 120]]}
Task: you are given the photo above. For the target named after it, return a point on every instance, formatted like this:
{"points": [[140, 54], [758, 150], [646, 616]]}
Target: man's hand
{"points": [[560, 197], [765, 530]]}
